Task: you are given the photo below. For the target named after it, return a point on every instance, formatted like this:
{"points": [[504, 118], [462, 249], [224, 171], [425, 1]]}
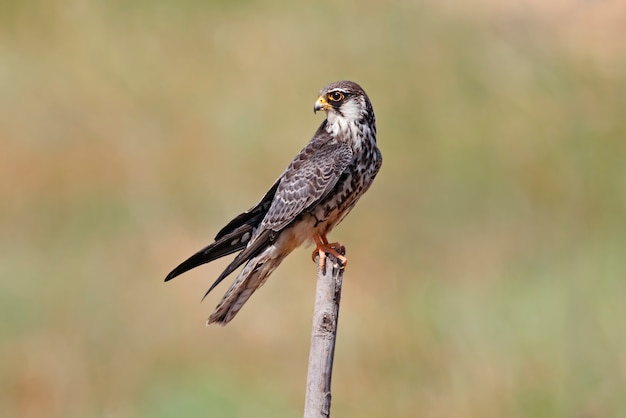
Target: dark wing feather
{"points": [[226, 245], [232, 238], [308, 179], [251, 217]]}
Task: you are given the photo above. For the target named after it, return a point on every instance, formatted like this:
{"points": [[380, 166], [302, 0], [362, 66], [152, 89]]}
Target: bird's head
{"points": [[343, 100]]}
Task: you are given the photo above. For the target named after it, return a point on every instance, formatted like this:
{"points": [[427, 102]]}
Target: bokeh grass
{"points": [[487, 269]]}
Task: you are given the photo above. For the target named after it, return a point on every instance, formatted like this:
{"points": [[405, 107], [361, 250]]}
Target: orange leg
{"points": [[323, 247]]}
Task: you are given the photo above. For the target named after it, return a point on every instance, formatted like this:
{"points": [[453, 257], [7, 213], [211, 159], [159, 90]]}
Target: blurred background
{"points": [[487, 262]]}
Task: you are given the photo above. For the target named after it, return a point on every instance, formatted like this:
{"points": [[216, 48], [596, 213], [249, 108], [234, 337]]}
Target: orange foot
{"points": [[323, 247]]}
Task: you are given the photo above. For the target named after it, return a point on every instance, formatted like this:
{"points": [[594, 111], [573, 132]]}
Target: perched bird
{"points": [[316, 191]]}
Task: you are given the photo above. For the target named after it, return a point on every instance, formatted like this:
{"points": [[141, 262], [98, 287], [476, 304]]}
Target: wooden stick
{"points": [[323, 336]]}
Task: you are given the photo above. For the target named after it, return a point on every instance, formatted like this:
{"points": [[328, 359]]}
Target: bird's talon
{"points": [[324, 248]]}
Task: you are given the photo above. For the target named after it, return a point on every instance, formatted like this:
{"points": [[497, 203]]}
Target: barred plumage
{"points": [[316, 191]]}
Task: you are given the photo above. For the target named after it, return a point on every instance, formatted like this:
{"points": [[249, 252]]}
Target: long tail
{"points": [[251, 277]]}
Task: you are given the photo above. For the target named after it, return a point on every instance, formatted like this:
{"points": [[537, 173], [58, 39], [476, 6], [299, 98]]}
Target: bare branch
{"points": [[323, 336]]}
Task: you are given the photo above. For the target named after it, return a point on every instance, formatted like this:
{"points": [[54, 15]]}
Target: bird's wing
{"points": [[310, 176], [232, 238], [227, 244], [251, 217]]}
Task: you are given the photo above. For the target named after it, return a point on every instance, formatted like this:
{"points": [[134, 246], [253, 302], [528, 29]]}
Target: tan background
{"points": [[487, 263]]}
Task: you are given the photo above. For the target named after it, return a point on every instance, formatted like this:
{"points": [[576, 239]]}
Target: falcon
{"points": [[316, 191]]}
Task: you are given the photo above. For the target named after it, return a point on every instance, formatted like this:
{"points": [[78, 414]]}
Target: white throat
{"points": [[340, 125]]}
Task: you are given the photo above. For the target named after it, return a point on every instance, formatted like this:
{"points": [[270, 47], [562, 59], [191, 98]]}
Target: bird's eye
{"points": [[335, 96]]}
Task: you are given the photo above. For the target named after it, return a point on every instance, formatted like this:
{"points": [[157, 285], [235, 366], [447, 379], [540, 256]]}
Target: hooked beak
{"points": [[321, 104]]}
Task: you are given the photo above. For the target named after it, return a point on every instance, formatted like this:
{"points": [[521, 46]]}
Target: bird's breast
{"points": [[352, 184]]}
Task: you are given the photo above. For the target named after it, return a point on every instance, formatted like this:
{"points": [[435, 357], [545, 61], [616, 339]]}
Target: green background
{"points": [[487, 262]]}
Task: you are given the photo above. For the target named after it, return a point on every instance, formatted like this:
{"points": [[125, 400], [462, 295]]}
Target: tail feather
{"points": [[253, 275], [259, 244]]}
